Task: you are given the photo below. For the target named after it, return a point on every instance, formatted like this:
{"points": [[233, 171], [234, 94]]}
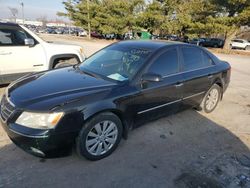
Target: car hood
{"points": [[62, 47], [44, 91]]}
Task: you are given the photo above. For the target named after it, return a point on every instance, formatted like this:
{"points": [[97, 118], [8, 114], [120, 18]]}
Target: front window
{"points": [[166, 64], [12, 37], [116, 62]]}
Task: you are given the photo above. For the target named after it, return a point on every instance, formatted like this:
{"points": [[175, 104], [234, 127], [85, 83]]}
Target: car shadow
{"points": [[183, 150]]}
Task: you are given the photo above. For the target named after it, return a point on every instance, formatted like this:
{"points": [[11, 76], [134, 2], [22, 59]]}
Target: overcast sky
{"points": [[33, 9]]}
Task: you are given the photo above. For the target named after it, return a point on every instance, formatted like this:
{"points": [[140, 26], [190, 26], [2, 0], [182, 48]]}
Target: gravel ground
{"points": [[188, 149]]}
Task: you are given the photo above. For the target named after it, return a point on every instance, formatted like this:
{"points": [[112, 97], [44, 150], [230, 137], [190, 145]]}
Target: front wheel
{"points": [[65, 63], [211, 99], [99, 136]]}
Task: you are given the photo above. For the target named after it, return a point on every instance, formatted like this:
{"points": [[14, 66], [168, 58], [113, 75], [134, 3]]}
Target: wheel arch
{"points": [[61, 56], [220, 83], [90, 113]]}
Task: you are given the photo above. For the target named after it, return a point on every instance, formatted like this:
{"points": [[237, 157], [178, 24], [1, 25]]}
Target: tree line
{"points": [[193, 18]]}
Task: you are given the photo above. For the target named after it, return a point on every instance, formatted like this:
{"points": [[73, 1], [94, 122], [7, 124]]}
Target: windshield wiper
{"points": [[77, 68], [89, 73]]}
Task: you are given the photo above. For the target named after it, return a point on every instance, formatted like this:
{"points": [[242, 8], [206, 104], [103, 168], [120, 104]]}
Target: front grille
{"points": [[7, 109]]}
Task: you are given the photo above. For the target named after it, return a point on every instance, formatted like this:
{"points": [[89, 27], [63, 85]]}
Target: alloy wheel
{"points": [[212, 99], [101, 138]]}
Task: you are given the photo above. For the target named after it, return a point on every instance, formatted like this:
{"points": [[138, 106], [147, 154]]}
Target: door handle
{"points": [[210, 76], [38, 65], [5, 53], [179, 84]]}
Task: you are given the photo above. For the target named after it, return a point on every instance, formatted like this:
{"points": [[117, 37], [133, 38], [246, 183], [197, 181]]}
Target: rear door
{"points": [[198, 72], [164, 97], [242, 44]]}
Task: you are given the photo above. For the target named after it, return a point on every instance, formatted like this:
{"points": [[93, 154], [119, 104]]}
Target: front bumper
{"points": [[41, 143]]}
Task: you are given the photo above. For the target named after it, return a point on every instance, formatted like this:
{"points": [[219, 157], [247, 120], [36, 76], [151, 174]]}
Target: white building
{"points": [[37, 23]]}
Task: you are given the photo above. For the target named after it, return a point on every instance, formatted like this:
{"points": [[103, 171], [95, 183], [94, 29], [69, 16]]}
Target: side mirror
{"points": [[29, 42], [151, 77]]}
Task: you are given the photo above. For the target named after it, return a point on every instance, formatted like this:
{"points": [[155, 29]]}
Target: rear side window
{"points": [[166, 63], [192, 58], [239, 41]]}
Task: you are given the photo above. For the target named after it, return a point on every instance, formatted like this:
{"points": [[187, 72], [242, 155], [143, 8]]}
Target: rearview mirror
{"points": [[29, 42], [151, 77]]}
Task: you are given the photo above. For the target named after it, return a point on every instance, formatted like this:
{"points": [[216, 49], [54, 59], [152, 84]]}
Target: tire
{"points": [[91, 145], [66, 63], [216, 46], [247, 48], [205, 104]]}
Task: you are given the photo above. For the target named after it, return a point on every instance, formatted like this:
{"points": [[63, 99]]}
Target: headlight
{"points": [[39, 120]]}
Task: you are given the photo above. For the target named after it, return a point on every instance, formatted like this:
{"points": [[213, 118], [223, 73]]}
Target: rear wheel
{"points": [[99, 137], [247, 48], [211, 99]]}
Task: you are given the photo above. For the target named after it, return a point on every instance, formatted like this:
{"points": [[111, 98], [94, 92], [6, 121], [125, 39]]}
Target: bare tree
{"points": [[14, 12], [43, 19]]}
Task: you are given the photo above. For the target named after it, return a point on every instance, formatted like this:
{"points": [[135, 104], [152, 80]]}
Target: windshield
{"points": [[115, 62]]}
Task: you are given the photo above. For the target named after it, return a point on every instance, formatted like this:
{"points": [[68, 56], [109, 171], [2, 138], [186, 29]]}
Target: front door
{"points": [[16, 59], [164, 97]]}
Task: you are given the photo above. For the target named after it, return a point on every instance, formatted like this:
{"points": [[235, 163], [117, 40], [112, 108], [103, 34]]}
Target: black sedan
{"points": [[94, 104], [212, 42]]}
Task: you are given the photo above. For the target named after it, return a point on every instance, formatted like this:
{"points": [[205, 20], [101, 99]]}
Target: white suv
{"points": [[22, 52], [240, 44]]}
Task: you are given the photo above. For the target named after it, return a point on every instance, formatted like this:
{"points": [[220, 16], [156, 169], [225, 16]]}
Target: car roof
{"points": [[240, 39], [2, 23], [216, 39], [148, 44]]}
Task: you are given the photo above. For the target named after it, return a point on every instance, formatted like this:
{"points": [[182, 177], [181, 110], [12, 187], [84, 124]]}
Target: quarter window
{"points": [[165, 64], [207, 60], [192, 58]]}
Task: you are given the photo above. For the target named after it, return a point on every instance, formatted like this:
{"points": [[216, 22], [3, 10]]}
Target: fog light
{"points": [[37, 151]]}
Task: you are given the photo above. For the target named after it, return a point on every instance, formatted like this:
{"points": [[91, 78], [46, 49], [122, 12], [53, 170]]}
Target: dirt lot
{"points": [[188, 149]]}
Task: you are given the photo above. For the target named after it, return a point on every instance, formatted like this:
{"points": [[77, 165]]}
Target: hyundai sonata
{"points": [[94, 104]]}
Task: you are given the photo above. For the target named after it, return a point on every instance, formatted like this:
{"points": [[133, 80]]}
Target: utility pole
{"points": [[89, 29], [22, 5]]}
